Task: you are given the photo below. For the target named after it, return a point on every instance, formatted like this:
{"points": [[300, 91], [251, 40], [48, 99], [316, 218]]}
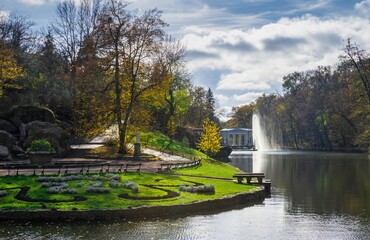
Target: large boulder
{"points": [[5, 153], [6, 143], [6, 139], [224, 153], [27, 113], [59, 138], [9, 127]]}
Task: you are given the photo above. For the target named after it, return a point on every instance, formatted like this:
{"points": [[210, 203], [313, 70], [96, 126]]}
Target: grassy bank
{"points": [[125, 190], [153, 190], [209, 167]]}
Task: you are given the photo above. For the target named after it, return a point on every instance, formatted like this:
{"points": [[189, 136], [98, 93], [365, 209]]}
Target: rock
{"points": [[59, 138], [4, 153], [16, 150], [6, 139], [224, 153], [8, 127], [27, 113]]}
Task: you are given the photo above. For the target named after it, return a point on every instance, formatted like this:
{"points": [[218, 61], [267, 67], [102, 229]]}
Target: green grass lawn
{"points": [[41, 198], [152, 188], [209, 167]]}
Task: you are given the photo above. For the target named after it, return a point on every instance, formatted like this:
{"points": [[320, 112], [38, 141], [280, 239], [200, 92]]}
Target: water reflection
{"points": [[322, 183]]}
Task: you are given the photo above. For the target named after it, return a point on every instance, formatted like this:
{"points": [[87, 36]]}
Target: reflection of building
{"points": [[236, 137]]}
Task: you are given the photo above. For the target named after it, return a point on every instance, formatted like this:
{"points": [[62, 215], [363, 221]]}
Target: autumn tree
{"points": [[241, 116], [133, 43], [9, 70], [209, 141], [359, 59]]}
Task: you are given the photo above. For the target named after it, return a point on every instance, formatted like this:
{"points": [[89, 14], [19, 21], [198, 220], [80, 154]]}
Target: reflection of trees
{"points": [[243, 162], [321, 183]]}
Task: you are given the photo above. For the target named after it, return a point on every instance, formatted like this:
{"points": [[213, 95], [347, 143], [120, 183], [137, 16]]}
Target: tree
{"points": [[210, 138], [197, 111], [211, 106], [360, 60], [241, 116], [133, 42], [74, 23], [9, 70]]}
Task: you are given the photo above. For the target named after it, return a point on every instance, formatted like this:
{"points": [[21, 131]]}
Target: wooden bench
{"points": [[249, 176], [136, 166]]}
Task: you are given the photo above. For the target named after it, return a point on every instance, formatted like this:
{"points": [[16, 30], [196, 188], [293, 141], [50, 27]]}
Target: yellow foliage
{"points": [[210, 138], [8, 69]]}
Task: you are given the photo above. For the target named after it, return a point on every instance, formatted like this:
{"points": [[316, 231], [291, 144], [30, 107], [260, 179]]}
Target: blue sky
{"points": [[243, 48]]}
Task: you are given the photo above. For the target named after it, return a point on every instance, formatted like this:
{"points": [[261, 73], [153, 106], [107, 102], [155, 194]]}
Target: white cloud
{"points": [[255, 60], [222, 99], [43, 2], [258, 58], [38, 2], [247, 97], [363, 6], [247, 80], [4, 15]]}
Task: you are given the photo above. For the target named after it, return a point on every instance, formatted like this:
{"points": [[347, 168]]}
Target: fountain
{"points": [[264, 134]]}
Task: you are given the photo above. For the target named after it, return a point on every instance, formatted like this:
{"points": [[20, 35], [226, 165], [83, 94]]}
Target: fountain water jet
{"points": [[264, 136]]}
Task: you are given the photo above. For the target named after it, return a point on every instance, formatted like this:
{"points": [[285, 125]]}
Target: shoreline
{"points": [[136, 213]]}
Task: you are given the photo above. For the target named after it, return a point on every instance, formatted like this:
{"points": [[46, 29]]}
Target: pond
{"points": [[314, 196]]}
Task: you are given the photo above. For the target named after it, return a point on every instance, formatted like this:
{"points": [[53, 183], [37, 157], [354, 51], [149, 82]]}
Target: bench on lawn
{"points": [[133, 166], [249, 176]]}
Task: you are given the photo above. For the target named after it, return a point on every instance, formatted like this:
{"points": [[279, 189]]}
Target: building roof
{"points": [[236, 130]]}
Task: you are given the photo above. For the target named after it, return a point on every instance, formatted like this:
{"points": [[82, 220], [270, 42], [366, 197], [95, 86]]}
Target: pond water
{"points": [[314, 196]]}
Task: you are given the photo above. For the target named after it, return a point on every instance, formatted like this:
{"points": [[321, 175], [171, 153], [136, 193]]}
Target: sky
{"points": [[243, 48]]}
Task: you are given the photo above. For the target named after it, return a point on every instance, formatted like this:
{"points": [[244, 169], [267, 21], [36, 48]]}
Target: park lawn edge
{"points": [[208, 172]]}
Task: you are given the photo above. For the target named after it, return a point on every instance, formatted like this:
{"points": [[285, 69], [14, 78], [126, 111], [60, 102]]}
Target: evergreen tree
{"points": [[210, 106]]}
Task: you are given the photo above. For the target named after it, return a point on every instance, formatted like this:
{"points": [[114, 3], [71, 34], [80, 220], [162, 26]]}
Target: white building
{"points": [[236, 137]]}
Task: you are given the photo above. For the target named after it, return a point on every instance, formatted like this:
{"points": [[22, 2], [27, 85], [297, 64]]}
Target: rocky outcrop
{"points": [[55, 134], [8, 126], [25, 114], [4, 153], [6, 143], [224, 153], [22, 124]]}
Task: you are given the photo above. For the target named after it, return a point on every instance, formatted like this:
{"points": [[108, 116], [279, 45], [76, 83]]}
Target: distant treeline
{"points": [[324, 108]]}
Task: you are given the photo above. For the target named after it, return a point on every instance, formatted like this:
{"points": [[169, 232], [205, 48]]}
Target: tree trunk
{"points": [[118, 108]]}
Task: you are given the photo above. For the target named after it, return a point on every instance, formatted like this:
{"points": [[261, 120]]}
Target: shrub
{"points": [[98, 178], [96, 184], [61, 179], [61, 189], [131, 185], [54, 184], [3, 193], [116, 177], [79, 184], [97, 187], [127, 184], [197, 189], [40, 145], [114, 184]]}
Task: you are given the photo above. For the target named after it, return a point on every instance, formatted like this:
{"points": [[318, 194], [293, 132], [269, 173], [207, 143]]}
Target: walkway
{"points": [[77, 159]]}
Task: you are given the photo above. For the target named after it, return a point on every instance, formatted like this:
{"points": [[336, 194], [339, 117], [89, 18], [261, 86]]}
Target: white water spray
{"points": [[263, 136]]}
